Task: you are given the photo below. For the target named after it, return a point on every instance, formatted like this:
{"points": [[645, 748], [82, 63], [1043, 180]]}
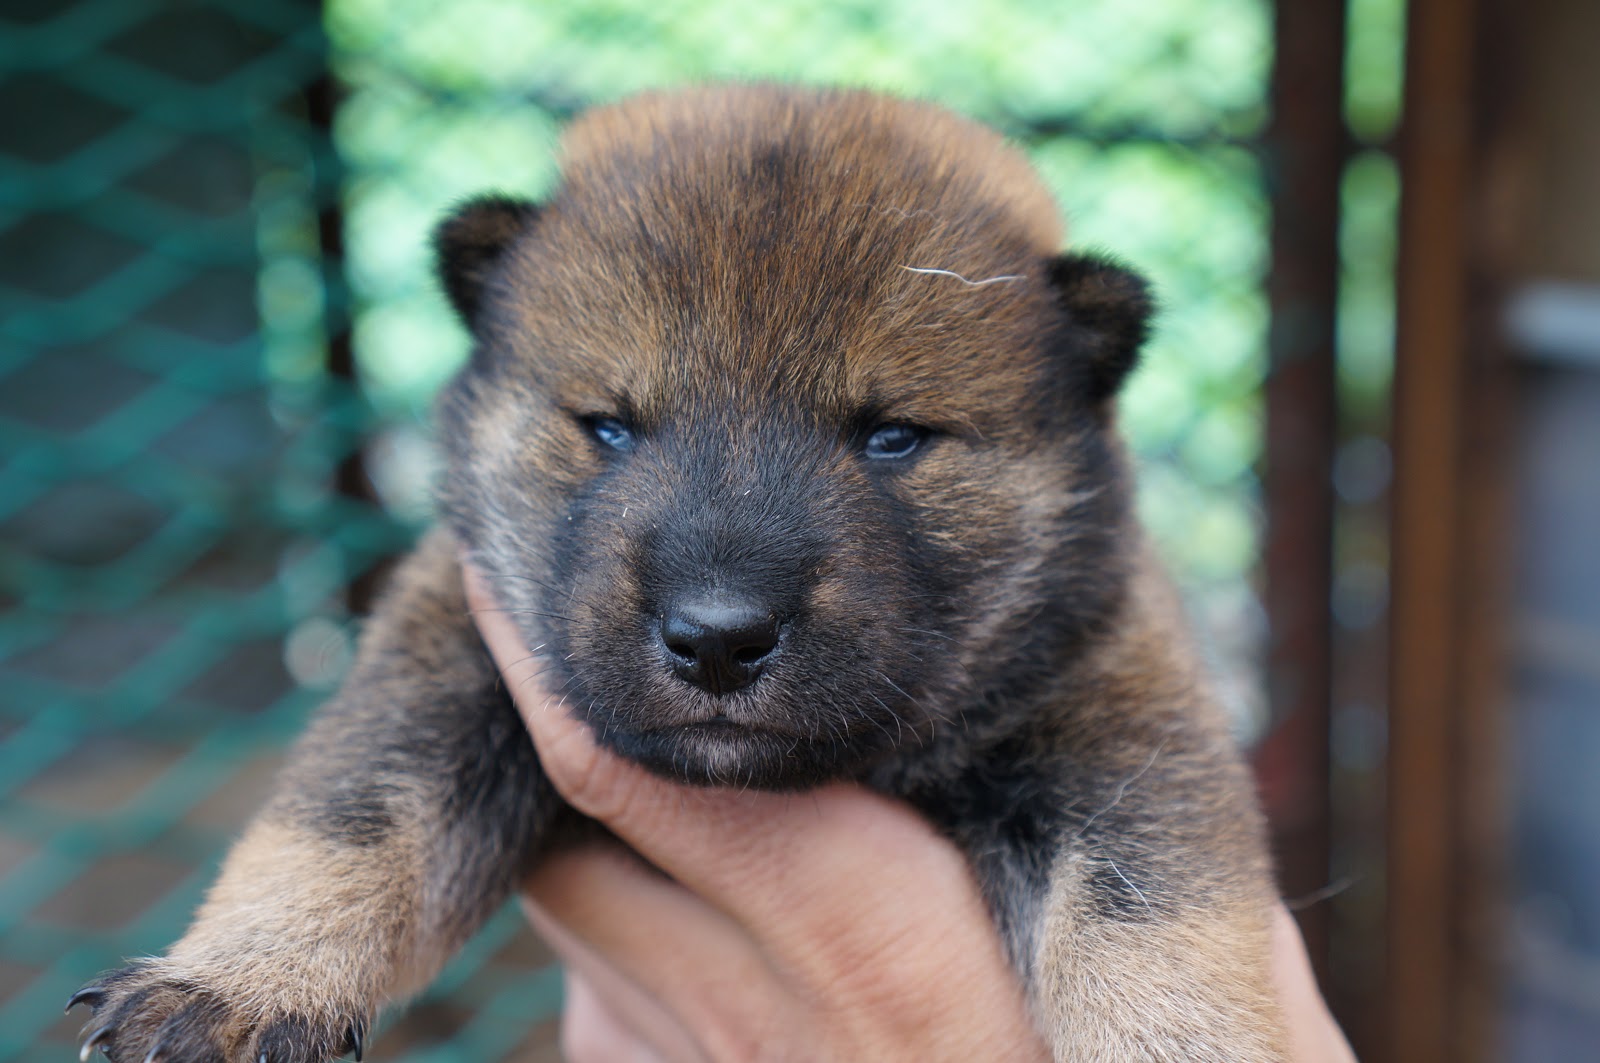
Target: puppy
{"points": [[788, 439]]}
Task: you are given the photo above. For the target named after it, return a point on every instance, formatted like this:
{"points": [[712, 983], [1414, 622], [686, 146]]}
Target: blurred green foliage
{"points": [[1374, 67]]}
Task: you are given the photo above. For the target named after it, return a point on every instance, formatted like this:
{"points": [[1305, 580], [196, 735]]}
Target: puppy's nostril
{"points": [[680, 649], [719, 644]]}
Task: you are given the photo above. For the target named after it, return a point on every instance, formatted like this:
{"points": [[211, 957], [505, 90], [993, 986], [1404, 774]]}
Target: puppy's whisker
{"points": [[547, 586], [877, 723], [534, 612]]}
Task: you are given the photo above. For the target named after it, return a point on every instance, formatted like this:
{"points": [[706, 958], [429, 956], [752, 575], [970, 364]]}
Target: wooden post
{"points": [[1306, 150], [1443, 795]]}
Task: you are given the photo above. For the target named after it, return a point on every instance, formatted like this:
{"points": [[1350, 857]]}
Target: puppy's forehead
{"points": [[815, 247]]}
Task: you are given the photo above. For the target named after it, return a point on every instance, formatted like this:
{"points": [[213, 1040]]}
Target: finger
{"points": [[1315, 1036], [591, 1032], [665, 960], [761, 857], [716, 978]]}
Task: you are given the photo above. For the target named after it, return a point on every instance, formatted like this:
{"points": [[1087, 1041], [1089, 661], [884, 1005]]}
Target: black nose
{"points": [[719, 644]]}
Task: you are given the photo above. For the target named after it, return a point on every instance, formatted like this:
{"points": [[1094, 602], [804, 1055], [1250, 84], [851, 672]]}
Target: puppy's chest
{"points": [[1013, 795], [1010, 806]]}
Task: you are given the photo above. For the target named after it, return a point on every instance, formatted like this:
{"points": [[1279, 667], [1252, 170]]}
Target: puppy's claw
{"points": [[358, 1038], [90, 995], [92, 1043], [154, 1055]]}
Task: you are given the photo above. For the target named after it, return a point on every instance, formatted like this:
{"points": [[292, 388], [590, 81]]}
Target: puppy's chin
{"points": [[725, 754]]}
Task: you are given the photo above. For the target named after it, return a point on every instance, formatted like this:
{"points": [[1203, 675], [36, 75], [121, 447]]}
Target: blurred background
{"points": [[1368, 429]]}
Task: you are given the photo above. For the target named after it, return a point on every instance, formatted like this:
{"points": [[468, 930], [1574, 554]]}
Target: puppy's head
{"points": [[786, 433]]}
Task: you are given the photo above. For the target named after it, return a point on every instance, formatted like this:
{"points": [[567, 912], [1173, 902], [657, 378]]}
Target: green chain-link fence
{"points": [[214, 286]]}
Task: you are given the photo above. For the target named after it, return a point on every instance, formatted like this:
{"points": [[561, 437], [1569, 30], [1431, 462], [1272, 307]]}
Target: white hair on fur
{"points": [[963, 280]]}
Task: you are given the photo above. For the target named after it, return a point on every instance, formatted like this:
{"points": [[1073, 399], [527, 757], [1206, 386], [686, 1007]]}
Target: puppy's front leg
{"points": [[1129, 881], [1157, 985], [401, 821], [1152, 943]]}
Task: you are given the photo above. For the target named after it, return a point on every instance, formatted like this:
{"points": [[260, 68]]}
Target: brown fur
{"points": [[752, 282], [1192, 984]]}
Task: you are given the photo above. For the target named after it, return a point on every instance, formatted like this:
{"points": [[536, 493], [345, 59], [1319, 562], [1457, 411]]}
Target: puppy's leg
{"points": [[1126, 869], [1189, 985], [401, 821], [1152, 941]]}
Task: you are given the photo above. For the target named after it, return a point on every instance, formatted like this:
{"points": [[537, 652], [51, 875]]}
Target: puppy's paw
{"points": [[151, 1013]]}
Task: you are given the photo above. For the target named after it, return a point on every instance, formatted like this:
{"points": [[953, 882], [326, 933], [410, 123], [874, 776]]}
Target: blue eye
{"points": [[612, 432], [890, 441]]}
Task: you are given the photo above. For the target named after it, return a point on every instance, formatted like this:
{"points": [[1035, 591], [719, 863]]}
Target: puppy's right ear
{"points": [[470, 243], [1108, 309]]}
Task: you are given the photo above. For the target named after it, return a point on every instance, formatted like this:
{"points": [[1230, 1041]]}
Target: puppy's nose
{"points": [[719, 644]]}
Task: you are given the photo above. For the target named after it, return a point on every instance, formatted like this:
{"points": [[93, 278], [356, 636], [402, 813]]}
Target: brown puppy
{"points": [[788, 440]]}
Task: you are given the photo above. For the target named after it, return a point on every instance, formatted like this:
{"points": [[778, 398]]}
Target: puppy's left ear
{"points": [[1108, 308], [471, 242]]}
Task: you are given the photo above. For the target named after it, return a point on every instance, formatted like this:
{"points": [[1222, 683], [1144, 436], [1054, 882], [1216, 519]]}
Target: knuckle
{"points": [[731, 1043], [593, 780], [865, 964], [595, 783], [589, 1033], [580, 1043], [746, 1034]]}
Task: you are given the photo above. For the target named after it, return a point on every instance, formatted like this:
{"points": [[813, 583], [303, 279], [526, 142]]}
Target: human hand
{"points": [[1314, 1036], [828, 926]]}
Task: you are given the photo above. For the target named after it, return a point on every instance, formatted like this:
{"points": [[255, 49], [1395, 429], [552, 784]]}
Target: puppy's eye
{"points": [[611, 432], [890, 441]]}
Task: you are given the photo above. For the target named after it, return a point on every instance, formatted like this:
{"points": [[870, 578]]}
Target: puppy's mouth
{"points": [[720, 752], [724, 727]]}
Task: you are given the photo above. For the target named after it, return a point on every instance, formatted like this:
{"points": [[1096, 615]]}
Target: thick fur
{"points": [[751, 281]]}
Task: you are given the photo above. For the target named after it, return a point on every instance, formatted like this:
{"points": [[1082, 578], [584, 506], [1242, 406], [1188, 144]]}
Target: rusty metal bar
{"points": [[1440, 574], [1306, 151]]}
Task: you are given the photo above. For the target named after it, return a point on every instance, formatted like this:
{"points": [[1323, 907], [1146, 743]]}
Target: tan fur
{"points": [[1191, 990], [298, 925]]}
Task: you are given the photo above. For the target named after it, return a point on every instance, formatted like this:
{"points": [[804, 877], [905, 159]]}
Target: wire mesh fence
{"points": [[219, 339]]}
